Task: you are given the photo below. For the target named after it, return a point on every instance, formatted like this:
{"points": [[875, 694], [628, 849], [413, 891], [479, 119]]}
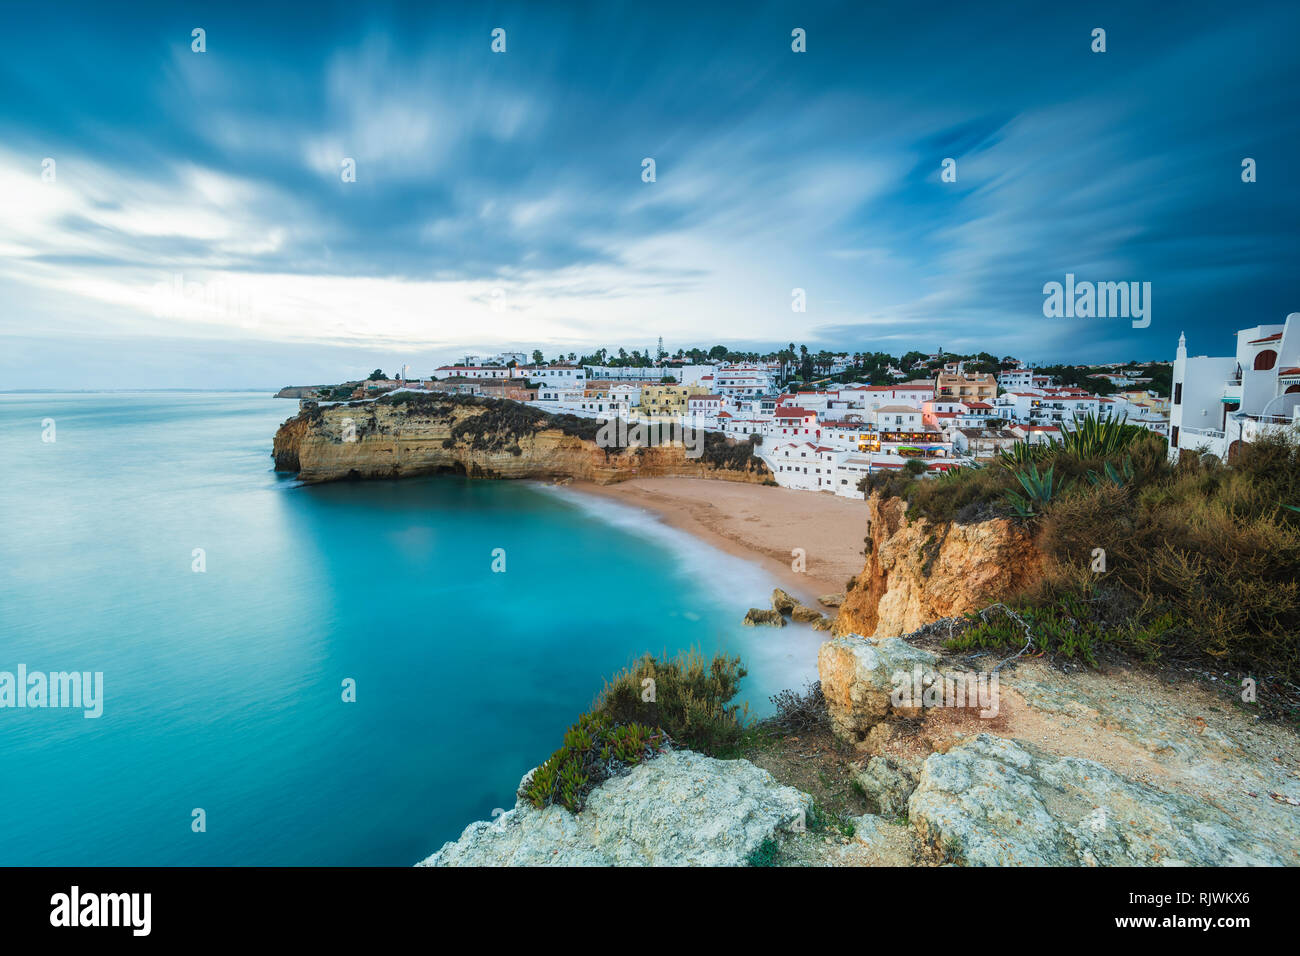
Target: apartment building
{"points": [[981, 386], [1221, 402]]}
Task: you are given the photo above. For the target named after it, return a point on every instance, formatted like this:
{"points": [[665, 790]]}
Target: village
{"points": [[820, 423]]}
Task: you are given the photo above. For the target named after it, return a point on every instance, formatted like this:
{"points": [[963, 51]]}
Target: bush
{"points": [[691, 702], [1194, 561], [690, 707], [595, 749]]}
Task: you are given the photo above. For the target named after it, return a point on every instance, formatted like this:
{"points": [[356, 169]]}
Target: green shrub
{"points": [[692, 699], [595, 749]]}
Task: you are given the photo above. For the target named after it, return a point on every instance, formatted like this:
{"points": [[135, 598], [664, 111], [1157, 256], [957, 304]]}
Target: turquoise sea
{"points": [[223, 688]]}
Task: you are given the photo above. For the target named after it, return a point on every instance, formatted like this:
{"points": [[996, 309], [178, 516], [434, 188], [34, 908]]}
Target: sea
{"points": [[340, 674]]}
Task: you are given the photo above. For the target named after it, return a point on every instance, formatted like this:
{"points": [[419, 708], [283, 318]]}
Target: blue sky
{"points": [[198, 232]]}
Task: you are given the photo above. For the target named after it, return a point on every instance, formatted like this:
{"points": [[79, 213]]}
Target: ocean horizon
{"points": [[226, 605]]}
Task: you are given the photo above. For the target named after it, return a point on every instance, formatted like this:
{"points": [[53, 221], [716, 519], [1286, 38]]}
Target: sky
{"points": [[175, 218]]}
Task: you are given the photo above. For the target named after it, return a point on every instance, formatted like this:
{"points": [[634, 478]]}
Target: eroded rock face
{"points": [[857, 676], [917, 571], [680, 809], [992, 801], [376, 440]]}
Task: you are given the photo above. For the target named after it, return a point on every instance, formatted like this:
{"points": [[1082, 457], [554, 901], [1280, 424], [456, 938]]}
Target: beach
{"points": [[763, 523]]}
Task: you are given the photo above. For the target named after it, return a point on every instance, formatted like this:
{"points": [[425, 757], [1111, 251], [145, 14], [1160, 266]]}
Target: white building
{"points": [[802, 465], [1218, 403]]}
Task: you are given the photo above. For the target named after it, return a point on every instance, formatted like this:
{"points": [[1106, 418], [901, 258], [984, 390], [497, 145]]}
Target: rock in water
{"points": [[782, 602], [804, 614], [992, 801], [680, 809], [832, 600], [762, 615]]}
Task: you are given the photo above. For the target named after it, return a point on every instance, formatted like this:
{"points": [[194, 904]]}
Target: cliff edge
{"points": [[490, 438], [918, 571]]}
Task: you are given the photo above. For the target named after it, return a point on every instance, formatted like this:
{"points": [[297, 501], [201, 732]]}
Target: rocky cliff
{"points": [[482, 438], [918, 571]]}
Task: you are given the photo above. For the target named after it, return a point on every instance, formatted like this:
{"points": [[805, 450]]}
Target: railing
{"points": [[1206, 432]]}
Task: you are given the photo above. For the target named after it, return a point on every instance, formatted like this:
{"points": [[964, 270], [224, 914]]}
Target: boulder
{"points": [[858, 675], [993, 801], [804, 614], [782, 602], [822, 624], [887, 784], [679, 809], [762, 615], [832, 600]]}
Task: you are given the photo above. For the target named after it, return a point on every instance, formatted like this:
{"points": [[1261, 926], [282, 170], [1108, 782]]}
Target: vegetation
{"points": [[688, 696], [1198, 560], [638, 714], [595, 749]]}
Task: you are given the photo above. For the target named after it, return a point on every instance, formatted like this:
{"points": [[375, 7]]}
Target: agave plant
{"points": [[1094, 437], [1117, 476], [1024, 453], [1039, 490]]}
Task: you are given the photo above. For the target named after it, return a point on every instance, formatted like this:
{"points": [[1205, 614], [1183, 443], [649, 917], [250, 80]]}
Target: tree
{"points": [[376, 375], [537, 356]]}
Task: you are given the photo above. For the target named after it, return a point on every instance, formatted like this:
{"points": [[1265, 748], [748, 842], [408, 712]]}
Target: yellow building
{"points": [[1148, 400], [660, 401], [979, 386]]}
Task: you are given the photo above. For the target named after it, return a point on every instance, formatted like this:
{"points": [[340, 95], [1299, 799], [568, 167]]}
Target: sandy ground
{"points": [[758, 522]]}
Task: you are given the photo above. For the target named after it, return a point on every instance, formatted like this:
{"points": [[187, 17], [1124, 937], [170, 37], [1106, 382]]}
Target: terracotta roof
{"points": [[1267, 338]]}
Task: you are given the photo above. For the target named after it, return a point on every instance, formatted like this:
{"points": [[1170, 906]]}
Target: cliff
{"points": [[918, 571], [487, 438]]}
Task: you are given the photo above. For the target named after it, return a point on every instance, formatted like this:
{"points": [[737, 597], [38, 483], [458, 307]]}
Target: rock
{"points": [[917, 570], [680, 809], [887, 785], [992, 801], [832, 600], [762, 615], [782, 602], [822, 624], [857, 676], [804, 614]]}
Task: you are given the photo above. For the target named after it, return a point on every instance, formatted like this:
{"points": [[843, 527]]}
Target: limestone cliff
{"points": [[486, 438], [918, 571]]}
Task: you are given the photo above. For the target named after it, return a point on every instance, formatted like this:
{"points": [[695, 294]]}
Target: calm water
{"points": [[223, 688]]}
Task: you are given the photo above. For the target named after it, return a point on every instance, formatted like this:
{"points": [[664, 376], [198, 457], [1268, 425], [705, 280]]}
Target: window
{"points": [[1265, 360], [1178, 397]]}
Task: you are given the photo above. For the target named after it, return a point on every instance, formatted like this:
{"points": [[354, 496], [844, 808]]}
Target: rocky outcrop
{"points": [[764, 616], [803, 614], [918, 571], [379, 439], [991, 801], [832, 600], [680, 809], [857, 679], [782, 602]]}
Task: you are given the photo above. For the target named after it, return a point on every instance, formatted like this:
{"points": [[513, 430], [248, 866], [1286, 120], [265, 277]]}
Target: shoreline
{"points": [[757, 523]]}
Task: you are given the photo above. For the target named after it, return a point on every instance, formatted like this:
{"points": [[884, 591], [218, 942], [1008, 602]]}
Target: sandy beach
{"points": [[758, 522]]}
